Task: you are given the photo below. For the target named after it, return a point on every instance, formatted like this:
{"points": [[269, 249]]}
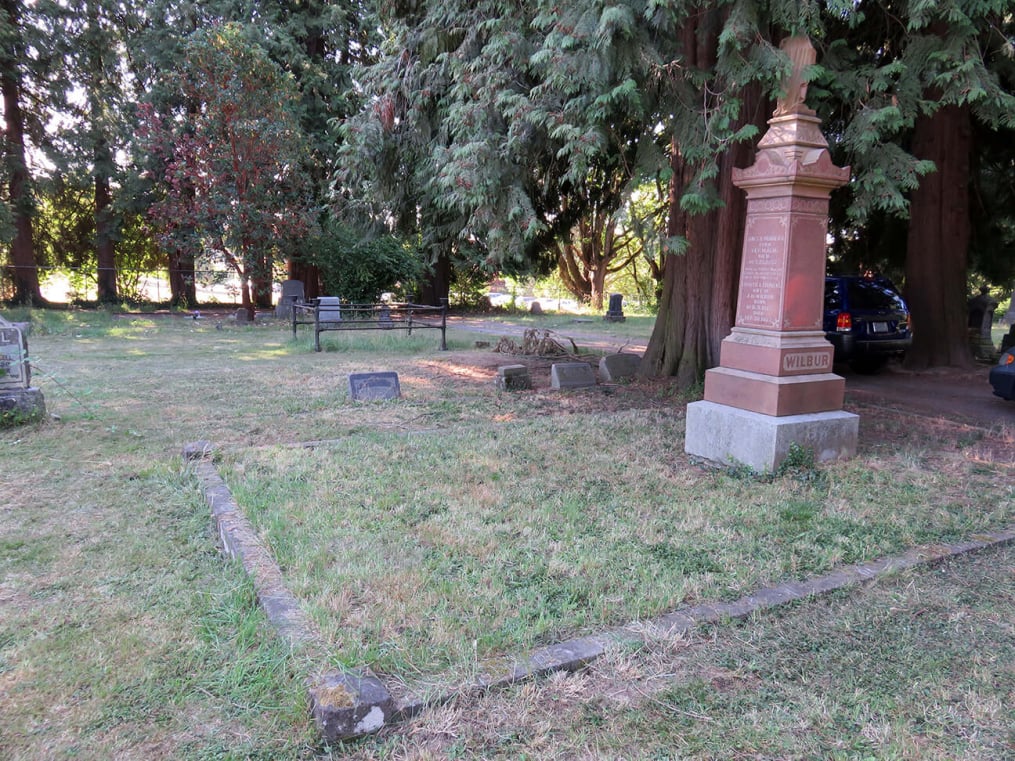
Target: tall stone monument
{"points": [[774, 386]]}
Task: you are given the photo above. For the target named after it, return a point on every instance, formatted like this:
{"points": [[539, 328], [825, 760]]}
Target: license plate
{"points": [[879, 327]]}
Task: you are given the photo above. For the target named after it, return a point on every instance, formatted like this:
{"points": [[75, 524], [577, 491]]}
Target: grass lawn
{"points": [[460, 523]]}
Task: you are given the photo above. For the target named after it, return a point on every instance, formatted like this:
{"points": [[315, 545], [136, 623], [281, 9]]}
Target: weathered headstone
{"points": [[18, 400], [292, 291], [774, 386], [615, 310], [567, 375], [513, 378], [15, 371], [535, 308], [614, 367], [374, 386], [329, 309], [242, 316]]}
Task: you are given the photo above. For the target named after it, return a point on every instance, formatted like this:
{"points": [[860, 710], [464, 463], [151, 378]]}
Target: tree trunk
{"points": [[182, 283], [308, 274], [437, 283], [25, 271], [938, 243], [698, 302], [182, 274], [105, 250]]}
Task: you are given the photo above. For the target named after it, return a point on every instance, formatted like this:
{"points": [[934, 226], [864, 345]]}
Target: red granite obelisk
{"points": [[774, 385]]}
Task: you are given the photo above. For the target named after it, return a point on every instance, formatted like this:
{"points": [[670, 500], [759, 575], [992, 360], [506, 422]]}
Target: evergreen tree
{"points": [[20, 71]]}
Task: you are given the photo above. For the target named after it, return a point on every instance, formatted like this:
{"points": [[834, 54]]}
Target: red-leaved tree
{"points": [[231, 186]]}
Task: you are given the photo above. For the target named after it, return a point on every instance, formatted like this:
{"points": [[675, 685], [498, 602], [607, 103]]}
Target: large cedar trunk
{"points": [[308, 274], [698, 303], [938, 243], [105, 251], [25, 272], [437, 283]]}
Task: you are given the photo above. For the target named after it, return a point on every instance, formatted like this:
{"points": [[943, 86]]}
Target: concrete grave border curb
{"points": [[344, 704], [351, 704]]}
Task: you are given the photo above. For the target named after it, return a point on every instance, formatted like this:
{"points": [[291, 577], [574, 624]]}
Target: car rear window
{"points": [[865, 294]]}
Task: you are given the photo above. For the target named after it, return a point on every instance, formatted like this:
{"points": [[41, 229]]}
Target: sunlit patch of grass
{"points": [[505, 536]]}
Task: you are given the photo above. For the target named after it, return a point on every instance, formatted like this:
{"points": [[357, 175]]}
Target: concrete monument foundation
{"points": [[731, 436]]}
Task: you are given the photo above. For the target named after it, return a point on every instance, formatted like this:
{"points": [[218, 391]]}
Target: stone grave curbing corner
{"points": [[346, 705]]}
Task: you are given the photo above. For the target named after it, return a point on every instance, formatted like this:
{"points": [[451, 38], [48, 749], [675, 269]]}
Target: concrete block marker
{"points": [[567, 375], [513, 378], [344, 705]]}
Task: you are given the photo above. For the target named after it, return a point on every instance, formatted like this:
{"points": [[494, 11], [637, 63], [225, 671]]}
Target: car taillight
{"points": [[1008, 358], [844, 322]]}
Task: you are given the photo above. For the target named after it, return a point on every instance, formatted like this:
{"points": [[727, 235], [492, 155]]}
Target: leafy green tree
{"points": [[232, 172]]}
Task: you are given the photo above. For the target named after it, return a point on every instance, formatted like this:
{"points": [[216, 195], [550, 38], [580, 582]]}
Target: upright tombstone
{"points": [[292, 292], [18, 400], [615, 310], [774, 386]]}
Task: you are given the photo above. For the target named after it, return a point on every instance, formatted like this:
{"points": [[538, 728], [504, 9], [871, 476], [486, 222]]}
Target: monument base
{"points": [[732, 436], [21, 405]]}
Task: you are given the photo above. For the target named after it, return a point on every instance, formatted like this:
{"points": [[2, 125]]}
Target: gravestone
{"points": [[774, 386], [513, 378], [329, 309], [18, 400], [242, 317], [292, 291], [535, 308], [365, 387], [615, 310], [567, 375], [614, 367]]}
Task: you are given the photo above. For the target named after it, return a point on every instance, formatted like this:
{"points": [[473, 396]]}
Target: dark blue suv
{"points": [[867, 321]]}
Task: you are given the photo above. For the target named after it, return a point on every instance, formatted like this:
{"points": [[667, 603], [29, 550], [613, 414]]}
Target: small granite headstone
{"points": [[242, 317], [535, 308], [374, 386], [615, 312], [513, 378], [384, 317], [614, 367], [329, 308], [566, 375]]}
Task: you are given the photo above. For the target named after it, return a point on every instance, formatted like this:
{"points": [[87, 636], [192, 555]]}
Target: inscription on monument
{"points": [[764, 269], [807, 360]]}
